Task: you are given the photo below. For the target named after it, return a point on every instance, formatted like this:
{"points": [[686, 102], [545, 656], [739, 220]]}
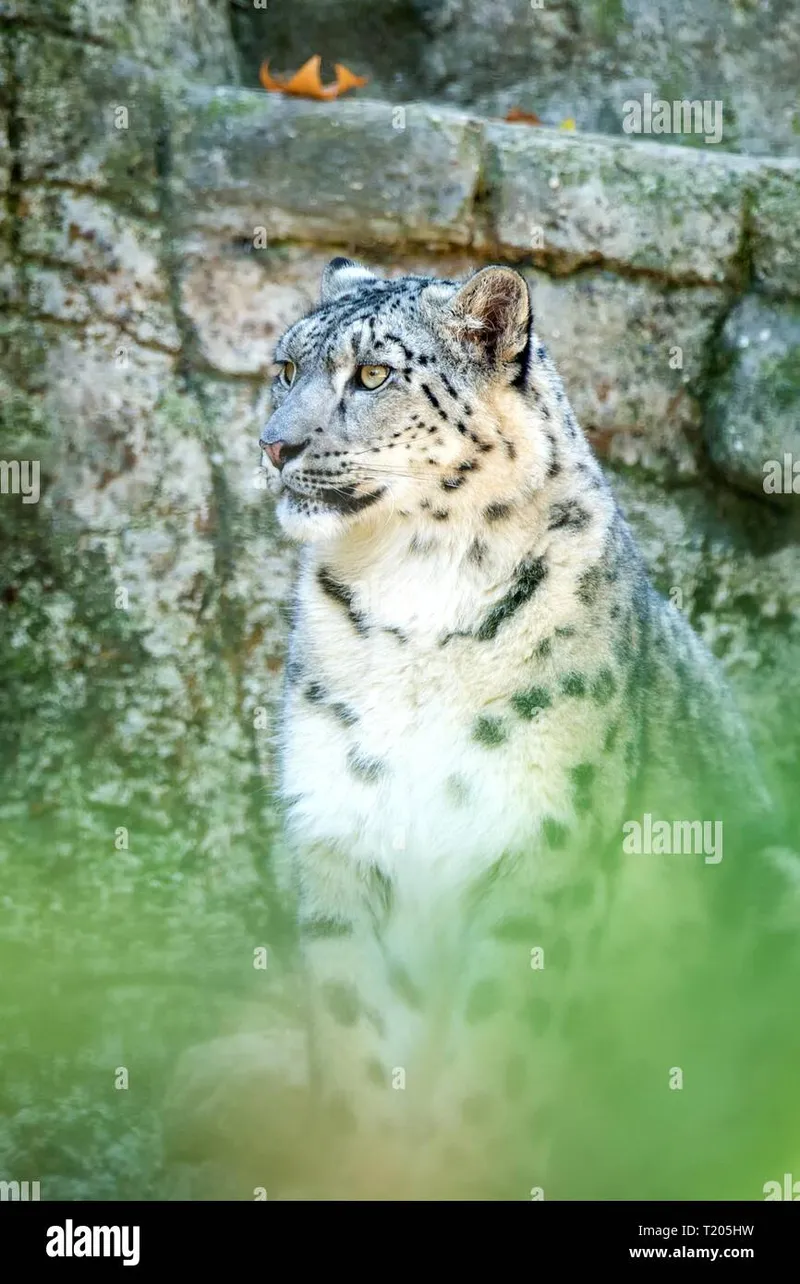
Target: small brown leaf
{"points": [[307, 82], [516, 116]]}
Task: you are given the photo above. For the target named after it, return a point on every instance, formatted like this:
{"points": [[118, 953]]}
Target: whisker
{"points": [[344, 479]]}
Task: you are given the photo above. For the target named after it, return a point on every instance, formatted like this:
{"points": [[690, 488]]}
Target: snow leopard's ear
{"points": [[492, 312], [342, 275]]}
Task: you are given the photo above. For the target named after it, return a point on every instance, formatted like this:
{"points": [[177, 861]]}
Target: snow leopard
{"points": [[486, 701]]}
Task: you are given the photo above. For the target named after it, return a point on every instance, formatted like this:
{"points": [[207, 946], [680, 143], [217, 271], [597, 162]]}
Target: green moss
{"points": [[782, 378], [607, 17]]}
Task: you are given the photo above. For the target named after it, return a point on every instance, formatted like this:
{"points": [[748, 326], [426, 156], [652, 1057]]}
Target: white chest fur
{"points": [[398, 747]]}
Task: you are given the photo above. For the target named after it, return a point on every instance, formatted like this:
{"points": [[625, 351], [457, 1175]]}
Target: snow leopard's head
{"points": [[410, 398]]}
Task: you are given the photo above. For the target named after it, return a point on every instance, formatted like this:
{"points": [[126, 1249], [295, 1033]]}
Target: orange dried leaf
{"points": [[307, 82], [346, 79], [516, 115], [272, 85]]}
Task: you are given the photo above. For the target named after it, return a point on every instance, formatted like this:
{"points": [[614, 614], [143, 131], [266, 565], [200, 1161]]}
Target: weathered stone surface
{"points": [[112, 263], [239, 301], [317, 170], [140, 630], [592, 200], [192, 38], [776, 228], [581, 60], [267, 167], [103, 138], [631, 356], [753, 414]]}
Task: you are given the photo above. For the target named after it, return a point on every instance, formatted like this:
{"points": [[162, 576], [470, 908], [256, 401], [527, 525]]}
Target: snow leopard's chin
{"points": [[312, 519]]}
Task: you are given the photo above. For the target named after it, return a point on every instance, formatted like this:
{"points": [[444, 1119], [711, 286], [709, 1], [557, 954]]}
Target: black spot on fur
{"points": [[529, 703], [544, 648], [520, 928], [452, 483], [343, 596], [573, 684], [554, 466], [489, 731], [342, 1002], [555, 834], [497, 512], [407, 353], [582, 778], [315, 693], [440, 514], [569, 516], [324, 929], [566, 631], [431, 397], [343, 713], [381, 892], [611, 737], [363, 768], [295, 670], [589, 585], [457, 790], [483, 1002], [476, 552], [603, 687], [529, 575]]}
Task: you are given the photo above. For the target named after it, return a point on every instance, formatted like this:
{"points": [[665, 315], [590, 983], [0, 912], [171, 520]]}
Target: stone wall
{"points": [[579, 59]]}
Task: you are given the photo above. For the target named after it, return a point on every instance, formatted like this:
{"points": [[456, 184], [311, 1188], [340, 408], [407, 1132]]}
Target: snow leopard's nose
{"points": [[280, 452]]}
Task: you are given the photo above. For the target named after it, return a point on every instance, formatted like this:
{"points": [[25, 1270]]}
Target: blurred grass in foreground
{"points": [[128, 958]]}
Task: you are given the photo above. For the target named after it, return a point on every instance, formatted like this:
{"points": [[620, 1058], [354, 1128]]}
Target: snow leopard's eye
{"points": [[372, 377], [288, 373]]}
